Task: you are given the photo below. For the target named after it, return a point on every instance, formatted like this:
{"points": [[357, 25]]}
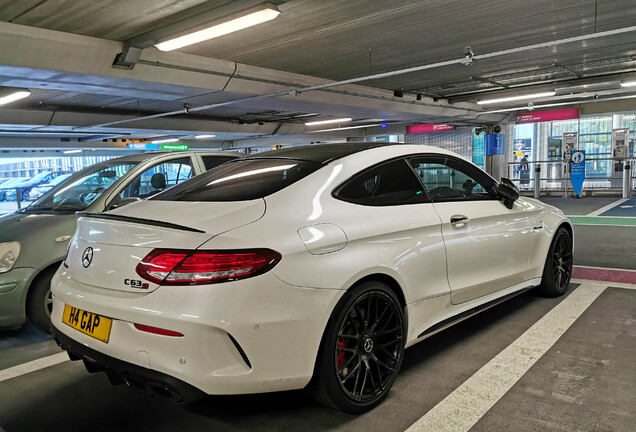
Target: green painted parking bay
{"points": [[603, 220]]}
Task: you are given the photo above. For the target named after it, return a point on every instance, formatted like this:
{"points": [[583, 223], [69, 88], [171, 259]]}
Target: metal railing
{"points": [[552, 177]]}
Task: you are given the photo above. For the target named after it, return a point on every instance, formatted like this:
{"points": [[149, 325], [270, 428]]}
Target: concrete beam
{"points": [[40, 58]]}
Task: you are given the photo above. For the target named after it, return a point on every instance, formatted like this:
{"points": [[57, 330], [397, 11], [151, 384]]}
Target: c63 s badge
{"points": [[135, 283]]}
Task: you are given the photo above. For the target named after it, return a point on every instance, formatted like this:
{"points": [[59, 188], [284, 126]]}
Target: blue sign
{"points": [[495, 144], [141, 146], [577, 170]]}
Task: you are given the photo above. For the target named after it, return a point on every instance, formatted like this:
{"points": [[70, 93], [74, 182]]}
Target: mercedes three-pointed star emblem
{"points": [[87, 257]]}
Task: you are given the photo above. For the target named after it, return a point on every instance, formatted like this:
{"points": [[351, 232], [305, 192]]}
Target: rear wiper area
{"points": [[138, 221]]}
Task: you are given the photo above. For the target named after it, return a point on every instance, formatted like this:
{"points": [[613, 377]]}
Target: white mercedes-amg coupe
{"points": [[308, 267]]}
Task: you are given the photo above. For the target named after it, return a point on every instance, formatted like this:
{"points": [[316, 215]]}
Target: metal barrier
{"points": [[552, 178]]}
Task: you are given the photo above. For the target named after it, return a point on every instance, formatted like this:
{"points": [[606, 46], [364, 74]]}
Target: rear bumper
{"points": [[139, 378], [248, 336]]}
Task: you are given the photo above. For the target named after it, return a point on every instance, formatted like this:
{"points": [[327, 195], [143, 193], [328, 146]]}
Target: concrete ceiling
{"points": [[63, 51]]}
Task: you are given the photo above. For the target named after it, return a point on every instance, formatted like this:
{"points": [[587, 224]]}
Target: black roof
{"points": [[321, 153]]}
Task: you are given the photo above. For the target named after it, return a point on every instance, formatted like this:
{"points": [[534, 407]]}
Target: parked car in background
{"points": [[41, 189], [41, 178], [309, 266], [7, 187], [10, 195], [33, 240]]}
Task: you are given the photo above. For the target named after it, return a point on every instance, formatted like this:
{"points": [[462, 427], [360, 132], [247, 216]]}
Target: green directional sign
{"points": [[174, 146]]}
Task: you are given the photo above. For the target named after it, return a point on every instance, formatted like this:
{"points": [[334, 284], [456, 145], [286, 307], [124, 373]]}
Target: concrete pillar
{"points": [[496, 166]]}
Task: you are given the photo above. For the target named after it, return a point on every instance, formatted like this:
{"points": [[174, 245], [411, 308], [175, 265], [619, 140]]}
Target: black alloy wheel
{"points": [[362, 350], [558, 267]]}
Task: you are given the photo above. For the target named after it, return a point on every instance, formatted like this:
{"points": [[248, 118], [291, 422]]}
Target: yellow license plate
{"points": [[88, 323]]}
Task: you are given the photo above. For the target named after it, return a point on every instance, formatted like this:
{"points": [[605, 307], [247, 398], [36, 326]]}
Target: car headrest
{"points": [[158, 181]]}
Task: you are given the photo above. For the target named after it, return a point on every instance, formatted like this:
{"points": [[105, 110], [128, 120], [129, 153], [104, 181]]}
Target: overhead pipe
{"points": [[467, 59]]}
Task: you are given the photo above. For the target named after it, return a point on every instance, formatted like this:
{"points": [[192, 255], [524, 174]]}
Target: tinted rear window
{"points": [[245, 179]]}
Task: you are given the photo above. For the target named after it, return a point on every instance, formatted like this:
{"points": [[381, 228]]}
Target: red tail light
{"points": [[181, 267]]}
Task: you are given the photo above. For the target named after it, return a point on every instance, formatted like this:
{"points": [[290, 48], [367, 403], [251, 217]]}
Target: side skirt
{"points": [[468, 313]]}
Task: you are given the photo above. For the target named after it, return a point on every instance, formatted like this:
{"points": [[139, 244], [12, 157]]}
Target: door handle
{"points": [[458, 219]]}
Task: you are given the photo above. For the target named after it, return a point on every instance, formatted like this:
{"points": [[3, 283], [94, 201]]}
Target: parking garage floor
{"points": [[529, 364]]}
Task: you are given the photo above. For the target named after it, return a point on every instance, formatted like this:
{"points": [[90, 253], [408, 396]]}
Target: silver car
{"points": [[33, 241]]}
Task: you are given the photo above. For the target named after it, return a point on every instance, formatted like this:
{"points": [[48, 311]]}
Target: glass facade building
{"points": [[542, 143]]}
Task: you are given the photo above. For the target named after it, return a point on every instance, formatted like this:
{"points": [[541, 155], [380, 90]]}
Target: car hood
{"points": [[25, 226]]}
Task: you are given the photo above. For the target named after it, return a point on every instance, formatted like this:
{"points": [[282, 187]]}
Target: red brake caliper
{"points": [[341, 354]]}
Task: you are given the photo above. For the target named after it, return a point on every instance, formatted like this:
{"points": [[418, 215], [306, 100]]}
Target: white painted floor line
{"points": [[33, 366], [608, 207], [604, 283], [461, 409]]}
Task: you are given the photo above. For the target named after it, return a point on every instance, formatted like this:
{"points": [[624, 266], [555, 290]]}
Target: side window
{"points": [[214, 161], [448, 179], [158, 178], [392, 183]]}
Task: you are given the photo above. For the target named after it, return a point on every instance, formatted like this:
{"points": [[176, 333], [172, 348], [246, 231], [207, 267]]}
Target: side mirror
{"points": [[507, 191], [123, 202]]}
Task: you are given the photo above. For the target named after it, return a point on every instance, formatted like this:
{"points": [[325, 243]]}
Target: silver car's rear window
{"points": [[241, 180]]}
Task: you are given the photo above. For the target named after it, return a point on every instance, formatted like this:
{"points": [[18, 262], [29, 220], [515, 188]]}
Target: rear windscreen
{"points": [[241, 180]]}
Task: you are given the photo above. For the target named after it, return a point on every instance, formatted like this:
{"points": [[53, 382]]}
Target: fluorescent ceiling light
{"points": [[164, 141], [204, 136], [609, 85], [322, 122], [582, 101], [71, 151], [629, 84], [15, 95], [516, 98], [350, 127], [229, 24], [36, 133]]}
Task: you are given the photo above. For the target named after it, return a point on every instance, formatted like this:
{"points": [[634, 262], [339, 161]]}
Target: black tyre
{"points": [[558, 265], [40, 301], [362, 349], [25, 195]]}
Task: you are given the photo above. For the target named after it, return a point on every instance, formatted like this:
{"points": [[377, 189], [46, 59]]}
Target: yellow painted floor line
{"points": [[33, 366], [461, 409]]}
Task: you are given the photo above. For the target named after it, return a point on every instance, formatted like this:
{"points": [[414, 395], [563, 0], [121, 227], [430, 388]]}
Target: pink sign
{"points": [[426, 128], [542, 116]]}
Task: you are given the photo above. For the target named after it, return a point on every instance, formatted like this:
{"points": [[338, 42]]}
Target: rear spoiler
{"points": [[140, 221]]}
